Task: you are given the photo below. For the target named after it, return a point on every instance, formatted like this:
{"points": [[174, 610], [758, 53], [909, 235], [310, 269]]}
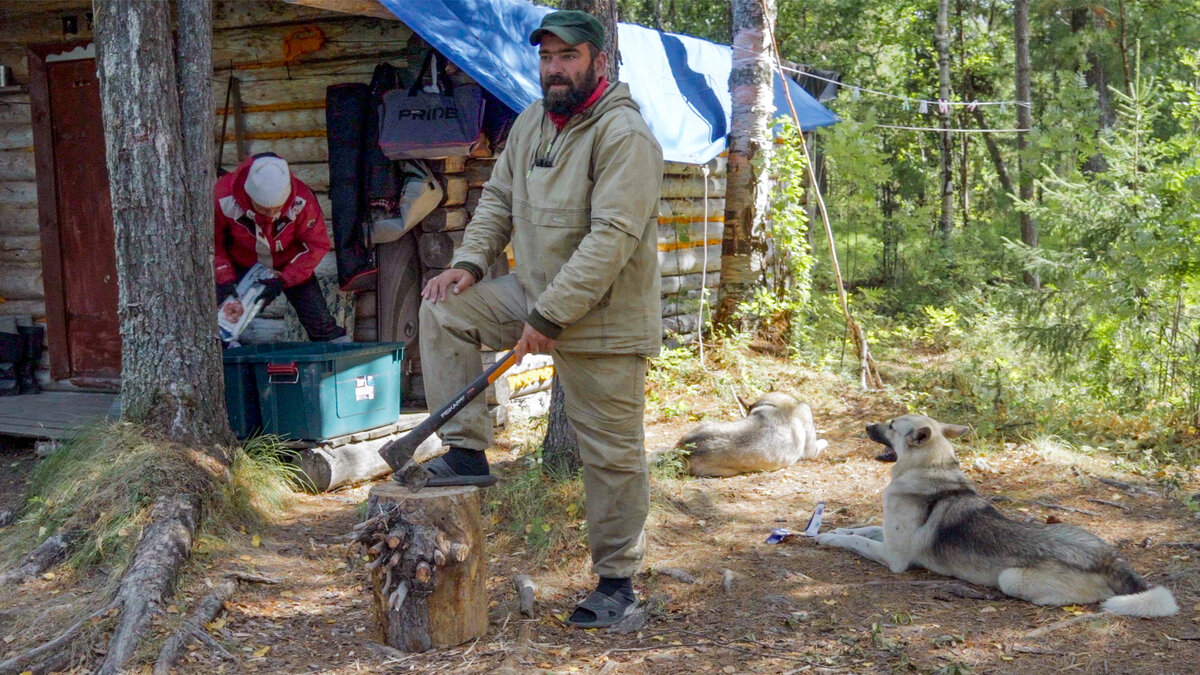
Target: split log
{"points": [[445, 220], [206, 611], [455, 164], [46, 555], [456, 191], [436, 249], [430, 590]]}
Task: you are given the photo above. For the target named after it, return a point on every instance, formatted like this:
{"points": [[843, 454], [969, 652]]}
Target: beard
{"points": [[565, 102]]}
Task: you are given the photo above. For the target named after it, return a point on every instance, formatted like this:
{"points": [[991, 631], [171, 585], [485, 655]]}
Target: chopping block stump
{"points": [[429, 567]]}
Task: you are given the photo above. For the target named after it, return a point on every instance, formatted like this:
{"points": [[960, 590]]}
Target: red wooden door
{"points": [[85, 230]]}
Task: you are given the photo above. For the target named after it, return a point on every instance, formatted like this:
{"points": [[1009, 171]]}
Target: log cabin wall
{"points": [[283, 106]]}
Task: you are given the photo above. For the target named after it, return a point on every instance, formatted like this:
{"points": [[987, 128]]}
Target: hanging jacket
{"points": [[580, 207], [292, 245]]}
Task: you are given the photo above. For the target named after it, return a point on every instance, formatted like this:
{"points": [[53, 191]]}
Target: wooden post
{"points": [[428, 567]]}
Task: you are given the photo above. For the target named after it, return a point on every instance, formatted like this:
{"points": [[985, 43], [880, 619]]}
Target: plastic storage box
{"points": [[316, 391], [241, 388]]}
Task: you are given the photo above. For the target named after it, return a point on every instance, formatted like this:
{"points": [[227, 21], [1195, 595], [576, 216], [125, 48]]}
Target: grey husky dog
{"points": [[777, 432], [934, 518]]}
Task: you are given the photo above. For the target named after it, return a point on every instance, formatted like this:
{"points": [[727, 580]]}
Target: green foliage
{"points": [[545, 512]]}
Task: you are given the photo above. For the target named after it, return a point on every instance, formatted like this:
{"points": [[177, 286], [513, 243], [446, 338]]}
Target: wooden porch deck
{"points": [[51, 414]]}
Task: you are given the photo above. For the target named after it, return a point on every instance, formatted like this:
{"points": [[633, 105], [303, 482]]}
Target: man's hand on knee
{"points": [[453, 280], [532, 342]]}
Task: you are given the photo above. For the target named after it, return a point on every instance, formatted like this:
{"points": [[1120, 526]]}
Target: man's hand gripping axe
{"points": [[399, 453]]}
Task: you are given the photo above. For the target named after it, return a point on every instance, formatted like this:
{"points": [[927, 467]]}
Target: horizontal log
{"points": [[689, 260], [687, 210], [329, 468], [18, 192], [21, 281], [715, 167], [682, 303], [364, 7], [21, 248], [17, 165], [443, 165], [367, 334], [688, 234], [305, 82], [14, 107], [18, 218], [345, 36], [674, 187], [473, 196], [456, 188], [298, 150], [445, 220], [478, 171], [237, 14], [366, 306], [680, 324], [688, 282], [436, 249], [33, 308], [313, 174], [16, 136], [311, 119]]}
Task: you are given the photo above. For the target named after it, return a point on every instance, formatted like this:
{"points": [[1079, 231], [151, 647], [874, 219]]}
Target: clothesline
{"points": [[907, 99], [957, 130]]}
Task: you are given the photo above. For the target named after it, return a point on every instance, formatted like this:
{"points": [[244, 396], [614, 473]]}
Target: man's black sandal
{"points": [[606, 610]]}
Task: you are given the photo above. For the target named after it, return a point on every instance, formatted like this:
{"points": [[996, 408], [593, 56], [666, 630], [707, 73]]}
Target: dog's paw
{"points": [[843, 530], [829, 538]]}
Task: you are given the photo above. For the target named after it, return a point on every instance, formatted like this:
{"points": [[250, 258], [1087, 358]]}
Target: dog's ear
{"points": [[954, 430], [744, 404], [921, 435]]}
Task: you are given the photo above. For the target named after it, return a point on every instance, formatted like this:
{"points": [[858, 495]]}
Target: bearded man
{"points": [[575, 192]]}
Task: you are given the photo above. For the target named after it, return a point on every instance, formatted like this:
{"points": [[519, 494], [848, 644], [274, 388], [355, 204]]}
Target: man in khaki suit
{"points": [[575, 192]]}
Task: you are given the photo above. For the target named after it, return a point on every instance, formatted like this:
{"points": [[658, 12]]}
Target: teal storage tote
{"points": [[241, 388], [317, 391]]}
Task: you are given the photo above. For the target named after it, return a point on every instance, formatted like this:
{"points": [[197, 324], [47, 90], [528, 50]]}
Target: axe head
{"points": [[399, 455]]}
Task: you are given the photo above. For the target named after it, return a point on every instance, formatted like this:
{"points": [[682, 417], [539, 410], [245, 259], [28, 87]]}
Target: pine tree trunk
{"points": [[946, 221], [161, 190], [560, 448], [747, 173], [1029, 233]]}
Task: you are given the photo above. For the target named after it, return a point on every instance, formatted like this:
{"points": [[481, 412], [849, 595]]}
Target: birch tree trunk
{"points": [[946, 220], [1029, 233], [747, 173], [560, 447], [159, 174]]}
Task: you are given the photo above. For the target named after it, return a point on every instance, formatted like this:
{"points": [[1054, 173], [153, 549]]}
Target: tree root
{"points": [[206, 611], [165, 545], [14, 664], [42, 558]]}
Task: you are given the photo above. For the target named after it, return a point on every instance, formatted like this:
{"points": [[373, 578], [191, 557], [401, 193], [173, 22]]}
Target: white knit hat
{"points": [[269, 182]]}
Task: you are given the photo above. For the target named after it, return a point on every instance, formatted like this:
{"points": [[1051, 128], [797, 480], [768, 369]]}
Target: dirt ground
{"points": [[791, 608]]}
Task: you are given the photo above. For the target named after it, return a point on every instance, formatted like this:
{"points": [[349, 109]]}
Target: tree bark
{"points": [[994, 151], [560, 447], [161, 183], [747, 173], [946, 219], [1029, 232], [1097, 78], [150, 577]]}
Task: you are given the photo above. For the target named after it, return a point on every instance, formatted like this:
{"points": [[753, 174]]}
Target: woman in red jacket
{"points": [[264, 214]]}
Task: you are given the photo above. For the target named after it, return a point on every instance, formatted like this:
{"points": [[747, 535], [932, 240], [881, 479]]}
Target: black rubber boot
{"points": [[12, 352], [27, 372]]}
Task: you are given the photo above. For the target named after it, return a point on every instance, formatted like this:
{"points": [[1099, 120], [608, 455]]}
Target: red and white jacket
{"points": [[297, 240]]}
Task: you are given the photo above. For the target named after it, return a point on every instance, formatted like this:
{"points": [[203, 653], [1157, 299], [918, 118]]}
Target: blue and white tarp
{"points": [[680, 82]]}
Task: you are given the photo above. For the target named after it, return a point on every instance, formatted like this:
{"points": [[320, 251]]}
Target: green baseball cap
{"points": [[573, 26]]}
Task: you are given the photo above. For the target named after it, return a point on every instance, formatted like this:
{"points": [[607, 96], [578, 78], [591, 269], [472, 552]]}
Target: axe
{"points": [[399, 453]]}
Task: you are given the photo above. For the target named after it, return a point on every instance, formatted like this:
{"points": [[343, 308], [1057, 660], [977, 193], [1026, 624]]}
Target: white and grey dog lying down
{"points": [[777, 432], [934, 518]]}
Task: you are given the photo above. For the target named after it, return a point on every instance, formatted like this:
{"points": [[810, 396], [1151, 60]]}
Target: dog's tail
{"points": [[1155, 601]]}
